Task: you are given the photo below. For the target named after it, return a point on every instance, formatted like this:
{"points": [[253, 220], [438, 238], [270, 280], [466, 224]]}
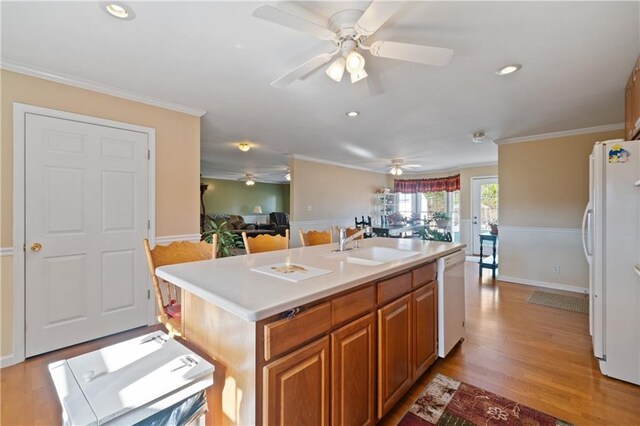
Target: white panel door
{"points": [[484, 207], [86, 214]]}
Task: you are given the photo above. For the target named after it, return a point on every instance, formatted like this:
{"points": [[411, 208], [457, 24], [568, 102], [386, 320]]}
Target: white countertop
{"points": [[231, 284]]}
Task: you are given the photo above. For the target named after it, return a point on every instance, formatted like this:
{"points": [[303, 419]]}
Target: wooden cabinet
{"points": [[352, 373], [425, 307], [394, 352], [296, 387]]}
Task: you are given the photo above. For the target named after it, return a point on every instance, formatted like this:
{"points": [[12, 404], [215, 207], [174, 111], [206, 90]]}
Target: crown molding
{"points": [[586, 130], [456, 169], [100, 88]]}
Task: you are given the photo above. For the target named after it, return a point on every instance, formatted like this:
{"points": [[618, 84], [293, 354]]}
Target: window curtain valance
{"points": [[413, 186]]}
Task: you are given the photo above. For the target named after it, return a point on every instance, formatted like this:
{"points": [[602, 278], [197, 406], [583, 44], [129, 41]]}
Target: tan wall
{"points": [[543, 192], [227, 196], [545, 183], [336, 195], [333, 192], [177, 157]]}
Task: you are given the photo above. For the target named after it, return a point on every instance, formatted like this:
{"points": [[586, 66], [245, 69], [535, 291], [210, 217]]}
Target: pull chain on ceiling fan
{"points": [[348, 29]]}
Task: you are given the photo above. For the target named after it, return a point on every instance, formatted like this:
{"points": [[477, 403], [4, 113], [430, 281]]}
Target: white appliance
{"points": [[451, 311], [611, 242], [128, 382]]}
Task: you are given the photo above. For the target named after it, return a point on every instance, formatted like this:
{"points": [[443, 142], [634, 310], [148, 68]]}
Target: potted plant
{"points": [[227, 241], [442, 219], [493, 225]]}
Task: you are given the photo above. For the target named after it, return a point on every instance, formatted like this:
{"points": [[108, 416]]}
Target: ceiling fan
{"points": [[248, 179], [397, 164], [348, 31]]}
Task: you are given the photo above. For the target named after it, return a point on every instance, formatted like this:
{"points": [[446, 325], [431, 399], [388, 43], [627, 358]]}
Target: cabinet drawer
{"points": [[284, 334], [352, 305], [394, 287], [424, 274]]}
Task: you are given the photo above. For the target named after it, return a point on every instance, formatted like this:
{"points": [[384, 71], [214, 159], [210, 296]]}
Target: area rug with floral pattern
{"points": [[446, 401]]}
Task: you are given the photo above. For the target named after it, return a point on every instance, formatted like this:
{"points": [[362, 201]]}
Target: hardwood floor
{"points": [[538, 356], [532, 354]]}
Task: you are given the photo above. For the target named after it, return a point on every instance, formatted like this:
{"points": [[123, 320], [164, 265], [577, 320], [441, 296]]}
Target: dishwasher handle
{"points": [[453, 259]]}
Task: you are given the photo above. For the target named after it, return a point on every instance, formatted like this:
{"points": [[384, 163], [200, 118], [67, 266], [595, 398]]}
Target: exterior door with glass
{"points": [[484, 207]]}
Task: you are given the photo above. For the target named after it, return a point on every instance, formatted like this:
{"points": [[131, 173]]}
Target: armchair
{"points": [[279, 222]]}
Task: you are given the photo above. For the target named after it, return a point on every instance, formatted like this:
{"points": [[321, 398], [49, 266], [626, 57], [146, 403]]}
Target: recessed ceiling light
{"points": [[244, 147], [352, 113], [509, 69], [118, 10]]}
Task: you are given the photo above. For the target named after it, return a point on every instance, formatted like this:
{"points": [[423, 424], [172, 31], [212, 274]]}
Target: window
{"points": [[405, 204]]}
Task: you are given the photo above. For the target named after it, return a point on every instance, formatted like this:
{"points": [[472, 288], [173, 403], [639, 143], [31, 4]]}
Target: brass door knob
{"points": [[36, 247]]}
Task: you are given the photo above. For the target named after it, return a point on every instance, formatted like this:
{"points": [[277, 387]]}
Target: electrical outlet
{"points": [[309, 208], [556, 269]]}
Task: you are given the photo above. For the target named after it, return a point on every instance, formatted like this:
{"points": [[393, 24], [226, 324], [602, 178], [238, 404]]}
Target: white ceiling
{"points": [[214, 55]]}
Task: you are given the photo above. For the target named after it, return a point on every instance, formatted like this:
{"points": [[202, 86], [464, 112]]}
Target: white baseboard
{"points": [[555, 286], [7, 360], [168, 239]]}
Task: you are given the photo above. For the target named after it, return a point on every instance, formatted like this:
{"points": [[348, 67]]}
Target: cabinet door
{"points": [[296, 387], [394, 352], [424, 302], [352, 373]]}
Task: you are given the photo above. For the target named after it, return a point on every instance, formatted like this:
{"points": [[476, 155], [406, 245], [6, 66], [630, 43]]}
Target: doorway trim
{"points": [[19, 164], [473, 178]]}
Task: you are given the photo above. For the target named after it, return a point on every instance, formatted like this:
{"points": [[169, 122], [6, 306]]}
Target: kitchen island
{"points": [[339, 348]]}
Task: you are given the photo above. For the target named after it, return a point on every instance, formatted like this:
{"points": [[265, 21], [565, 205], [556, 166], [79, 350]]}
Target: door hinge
{"points": [[148, 294], [149, 224], [148, 154], [24, 246]]}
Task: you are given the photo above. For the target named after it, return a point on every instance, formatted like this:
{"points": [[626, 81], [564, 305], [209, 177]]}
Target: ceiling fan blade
{"points": [[376, 15], [411, 165], [428, 55], [302, 70], [286, 19]]}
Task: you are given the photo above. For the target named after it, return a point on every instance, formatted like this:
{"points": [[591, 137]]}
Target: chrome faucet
{"points": [[344, 240]]}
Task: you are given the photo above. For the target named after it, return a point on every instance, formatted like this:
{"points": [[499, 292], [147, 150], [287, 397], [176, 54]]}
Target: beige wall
{"points": [[543, 192], [177, 158], [228, 196], [545, 183], [335, 194]]}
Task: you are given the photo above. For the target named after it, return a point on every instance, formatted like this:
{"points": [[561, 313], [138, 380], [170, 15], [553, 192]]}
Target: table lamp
{"points": [[257, 210]]}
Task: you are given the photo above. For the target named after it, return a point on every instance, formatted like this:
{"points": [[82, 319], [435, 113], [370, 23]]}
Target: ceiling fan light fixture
{"points": [[478, 136], [288, 176], [250, 182], [354, 62], [335, 71], [395, 170], [357, 76], [244, 147]]}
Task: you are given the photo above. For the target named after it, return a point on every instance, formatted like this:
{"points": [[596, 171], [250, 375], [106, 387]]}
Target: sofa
{"points": [[279, 222], [235, 222]]}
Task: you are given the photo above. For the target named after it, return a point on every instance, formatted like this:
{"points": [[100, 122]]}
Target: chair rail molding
{"points": [[6, 251]]}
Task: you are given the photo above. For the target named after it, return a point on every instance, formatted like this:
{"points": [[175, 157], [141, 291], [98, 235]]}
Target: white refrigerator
{"points": [[611, 241]]}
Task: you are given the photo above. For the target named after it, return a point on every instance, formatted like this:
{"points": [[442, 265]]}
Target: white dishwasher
{"points": [[451, 310]]}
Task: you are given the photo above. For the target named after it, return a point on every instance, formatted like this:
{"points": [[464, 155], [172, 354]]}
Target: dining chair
{"points": [[169, 308], [265, 242], [351, 231], [315, 238]]}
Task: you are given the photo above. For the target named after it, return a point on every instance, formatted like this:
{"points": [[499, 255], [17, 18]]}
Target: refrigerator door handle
{"points": [[586, 222]]}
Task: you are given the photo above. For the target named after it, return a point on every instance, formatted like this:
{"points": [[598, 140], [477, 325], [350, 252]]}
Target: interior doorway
{"points": [[484, 207]]}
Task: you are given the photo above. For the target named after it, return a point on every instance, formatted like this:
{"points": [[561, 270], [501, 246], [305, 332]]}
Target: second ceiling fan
{"points": [[348, 31]]}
